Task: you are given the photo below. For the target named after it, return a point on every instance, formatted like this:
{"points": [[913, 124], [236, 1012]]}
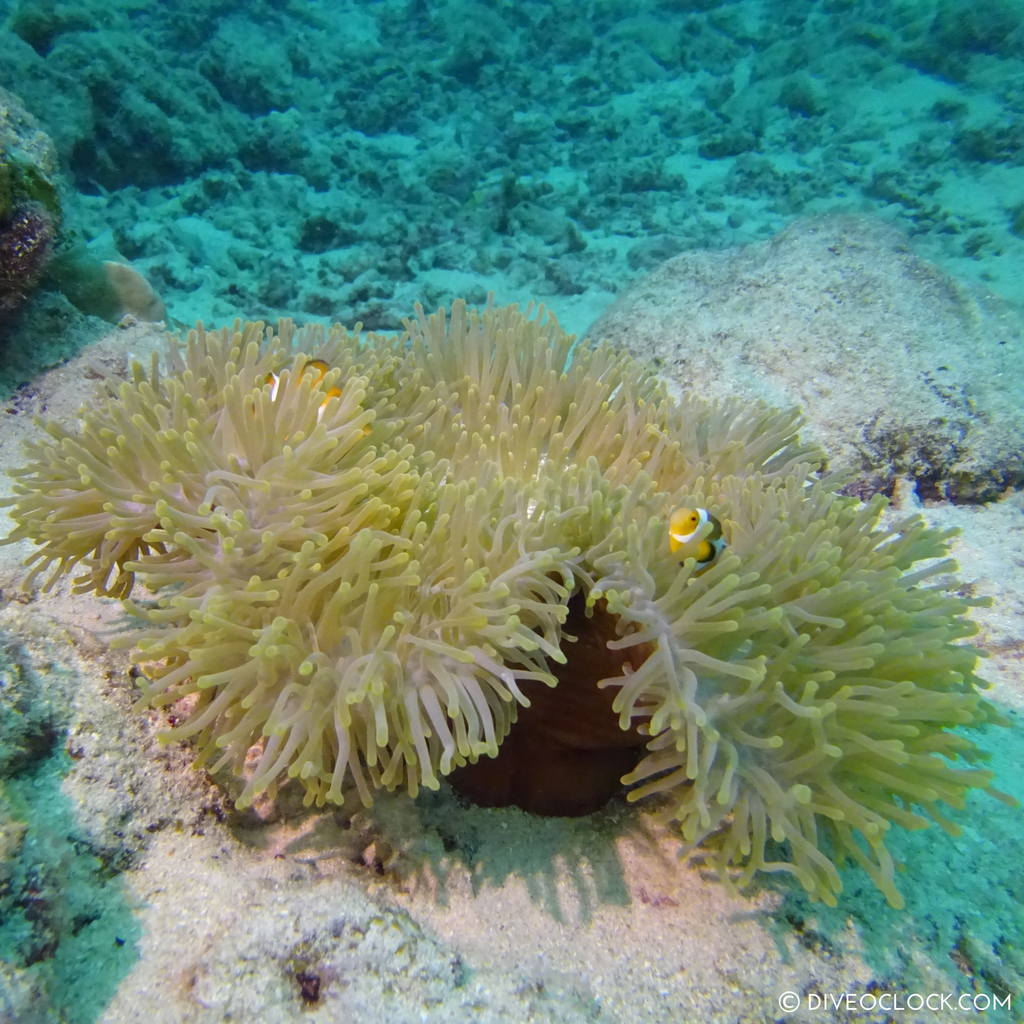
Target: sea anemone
{"points": [[374, 562]]}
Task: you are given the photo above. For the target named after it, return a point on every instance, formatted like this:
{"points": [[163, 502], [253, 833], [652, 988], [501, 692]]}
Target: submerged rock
{"points": [[901, 371]]}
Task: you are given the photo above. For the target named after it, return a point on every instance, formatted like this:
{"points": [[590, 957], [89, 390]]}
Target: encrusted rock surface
{"points": [[901, 371]]}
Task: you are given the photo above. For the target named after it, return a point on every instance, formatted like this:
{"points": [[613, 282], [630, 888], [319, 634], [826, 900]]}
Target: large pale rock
{"points": [[901, 371]]}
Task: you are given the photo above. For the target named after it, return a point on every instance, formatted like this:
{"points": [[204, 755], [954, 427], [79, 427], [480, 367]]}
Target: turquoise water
{"points": [[342, 161]]}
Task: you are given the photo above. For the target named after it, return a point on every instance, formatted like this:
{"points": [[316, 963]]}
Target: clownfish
{"points": [[695, 533], [317, 366]]}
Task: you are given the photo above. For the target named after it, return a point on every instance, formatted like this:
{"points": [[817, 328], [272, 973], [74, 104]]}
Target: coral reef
{"points": [[36, 239], [357, 577], [194, 139], [26, 244], [30, 210]]}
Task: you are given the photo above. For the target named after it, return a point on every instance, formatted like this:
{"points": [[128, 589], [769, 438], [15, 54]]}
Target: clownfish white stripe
{"points": [[695, 533], [312, 366]]}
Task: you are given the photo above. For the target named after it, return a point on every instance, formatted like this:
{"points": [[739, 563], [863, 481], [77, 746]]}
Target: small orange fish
{"points": [[317, 366], [695, 533]]}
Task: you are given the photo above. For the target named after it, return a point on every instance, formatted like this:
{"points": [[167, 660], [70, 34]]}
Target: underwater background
{"points": [[341, 162]]}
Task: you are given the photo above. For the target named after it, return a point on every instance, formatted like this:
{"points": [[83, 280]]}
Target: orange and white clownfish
{"points": [[695, 533], [312, 366]]}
